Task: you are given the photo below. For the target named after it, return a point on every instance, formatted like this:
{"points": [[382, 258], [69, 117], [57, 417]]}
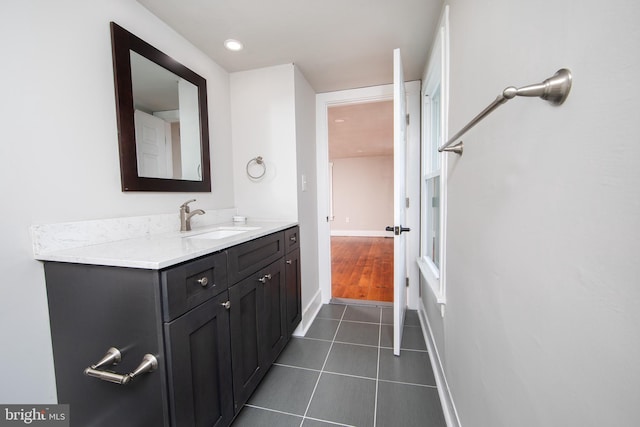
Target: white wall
{"points": [[362, 196], [305, 98], [543, 303], [273, 116], [263, 124], [60, 155]]}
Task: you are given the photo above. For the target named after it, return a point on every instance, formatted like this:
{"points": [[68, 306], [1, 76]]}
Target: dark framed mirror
{"points": [[163, 130]]}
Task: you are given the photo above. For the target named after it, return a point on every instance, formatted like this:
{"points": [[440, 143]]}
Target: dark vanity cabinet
{"points": [[258, 322], [214, 324], [292, 279]]}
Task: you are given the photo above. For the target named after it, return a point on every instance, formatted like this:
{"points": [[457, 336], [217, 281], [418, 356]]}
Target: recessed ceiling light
{"points": [[233, 45]]}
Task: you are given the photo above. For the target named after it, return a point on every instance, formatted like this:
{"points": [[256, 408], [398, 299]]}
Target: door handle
{"points": [[397, 230]]}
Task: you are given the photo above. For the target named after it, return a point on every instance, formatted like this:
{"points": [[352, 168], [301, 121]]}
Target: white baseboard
{"points": [[361, 233], [309, 314], [448, 407]]}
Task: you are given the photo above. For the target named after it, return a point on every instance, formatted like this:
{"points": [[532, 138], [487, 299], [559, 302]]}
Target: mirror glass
{"points": [[162, 119]]}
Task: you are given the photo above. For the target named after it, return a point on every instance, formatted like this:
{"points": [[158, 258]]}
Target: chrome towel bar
{"points": [[555, 89], [113, 357]]}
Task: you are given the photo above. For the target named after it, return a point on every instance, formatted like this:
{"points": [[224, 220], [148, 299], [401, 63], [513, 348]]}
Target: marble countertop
{"points": [[158, 251]]}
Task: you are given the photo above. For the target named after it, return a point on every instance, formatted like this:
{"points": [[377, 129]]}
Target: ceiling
{"points": [[360, 130], [337, 44]]}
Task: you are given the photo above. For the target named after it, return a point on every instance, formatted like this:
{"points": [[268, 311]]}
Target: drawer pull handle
{"points": [[293, 238], [264, 278], [226, 305], [289, 261], [149, 363], [203, 281]]}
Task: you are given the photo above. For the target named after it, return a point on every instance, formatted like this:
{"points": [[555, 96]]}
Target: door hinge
{"points": [[407, 281], [406, 202], [408, 119]]}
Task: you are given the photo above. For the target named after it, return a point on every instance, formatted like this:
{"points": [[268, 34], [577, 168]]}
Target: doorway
{"points": [[324, 192], [360, 137]]}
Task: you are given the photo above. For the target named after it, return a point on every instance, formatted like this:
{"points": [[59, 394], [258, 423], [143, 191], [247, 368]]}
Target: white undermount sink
{"points": [[222, 232]]}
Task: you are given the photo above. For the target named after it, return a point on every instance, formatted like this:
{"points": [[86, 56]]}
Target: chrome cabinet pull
{"points": [[264, 278], [293, 238], [289, 261], [226, 304], [113, 357], [203, 281]]}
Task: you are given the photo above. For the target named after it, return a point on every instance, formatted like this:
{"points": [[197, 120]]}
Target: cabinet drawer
{"points": [[291, 239], [250, 257], [192, 283]]}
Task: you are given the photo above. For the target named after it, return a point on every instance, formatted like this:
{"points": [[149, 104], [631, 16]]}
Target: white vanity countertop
{"points": [[158, 251]]}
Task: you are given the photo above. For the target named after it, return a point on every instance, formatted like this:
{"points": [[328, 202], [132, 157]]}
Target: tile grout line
{"points": [[315, 387], [411, 384], [264, 408], [284, 365]]}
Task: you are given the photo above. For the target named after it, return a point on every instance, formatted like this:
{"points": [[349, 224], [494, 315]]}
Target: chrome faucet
{"points": [[186, 214]]}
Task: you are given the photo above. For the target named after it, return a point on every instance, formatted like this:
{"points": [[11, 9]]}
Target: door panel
{"points": [[247, 334], [274, 320], [293, 281], [399, 202], [200, 366]]}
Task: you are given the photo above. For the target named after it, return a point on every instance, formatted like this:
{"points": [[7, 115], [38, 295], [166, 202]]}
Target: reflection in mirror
{"points": [[166, 122], [162, 119]]}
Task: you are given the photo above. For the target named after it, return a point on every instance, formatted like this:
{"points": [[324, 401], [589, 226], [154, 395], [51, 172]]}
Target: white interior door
{"points": [[153, 148], [399, 202]]}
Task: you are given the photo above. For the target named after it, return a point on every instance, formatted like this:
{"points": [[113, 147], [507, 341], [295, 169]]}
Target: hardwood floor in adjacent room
{"points": [[362, 268]]}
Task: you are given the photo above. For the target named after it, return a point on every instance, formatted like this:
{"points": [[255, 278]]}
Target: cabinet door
{"points": [[246, 310], [272, 281], [200, 366], [293, 290]]}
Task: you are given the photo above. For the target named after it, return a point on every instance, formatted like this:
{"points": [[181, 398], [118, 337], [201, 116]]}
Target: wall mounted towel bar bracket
{"points": [[555, 89]]}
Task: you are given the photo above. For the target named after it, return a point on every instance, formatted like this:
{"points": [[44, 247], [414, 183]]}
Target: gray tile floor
{"points": [[344, 373]]}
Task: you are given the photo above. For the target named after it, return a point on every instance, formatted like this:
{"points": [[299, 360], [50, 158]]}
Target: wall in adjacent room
{"points": [[362, 196]]}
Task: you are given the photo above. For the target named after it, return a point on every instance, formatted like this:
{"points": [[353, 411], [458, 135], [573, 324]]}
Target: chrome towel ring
{"points": [[259, 162]]}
